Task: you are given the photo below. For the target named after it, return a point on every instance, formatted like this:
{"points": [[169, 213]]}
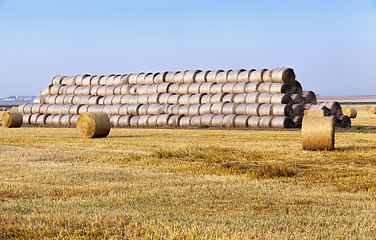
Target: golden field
{"points": [[186, 184]]}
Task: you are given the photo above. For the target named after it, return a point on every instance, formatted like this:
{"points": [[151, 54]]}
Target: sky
{"points": [[331, 45]]}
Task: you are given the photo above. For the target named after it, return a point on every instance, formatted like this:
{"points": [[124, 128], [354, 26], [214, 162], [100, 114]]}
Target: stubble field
{"points": [[186, 184]]}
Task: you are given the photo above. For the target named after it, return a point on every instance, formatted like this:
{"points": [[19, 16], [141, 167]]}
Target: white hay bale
{"points": [[133, 99], [123, 110], [65, 120], [190, 76], [114, 120], [241, 109], [133, 121], [143, 121], [221, 77], [183, 88], [152, 121], [74, 109], [239, 88], [149, 78], [280, 88], [282, 110], [205, 87], [45, 91], [142, 89], [174, 120], [194, 88], [228, 121], [194, 109], [114, 110], [44, 108], [228, 87], [107, 109], [241, 121], [267, 76], [264, 98], [229, 108], [282, 122], [25, 119], [195, 99], [185, 121], [253, 122], [265, 110], [265, 121], [152, 89], [124, 89], [68, 81], [78, 90], [201, 77], [141, 78], [33, 118], [60, 99], [101, 91], [283, 75], [173, 99], [86, 90], [143, 109], [233, 76], [206, 119], [35, 108], [95, 80], [212, 75], [93, 108], [298, 99], [110, 90], [41, 119], [94, 90], [163, 120], [133, 109], [70, 90], [132, 78], [117, 90], [125, 99], [240, 98], [218, 97], [205, 108], [86, 80], [79, 78], [216, 88], [36, 100], [163, 98], [160, 78], [183, 110], [264, 87], [179, 76], [244, 75], [298, 110], [280, 98], [217, 121], [110, 80], [228, 98], [51, 99], [154, 98], [116, 99], [256, 76], [56, 120], [217, 108], [184, 99], [124, 121], [56, 80], [54, 89], [169, 77], [173, 109], [174, 88], [48, 119], [94, 100], [102, 80], [25, 108], [195, 121], [310, 97], [155, 109], [206, 98], [143, 99]]}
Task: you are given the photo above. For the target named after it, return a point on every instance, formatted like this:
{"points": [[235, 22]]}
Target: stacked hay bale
{"points": [[192, 98]]}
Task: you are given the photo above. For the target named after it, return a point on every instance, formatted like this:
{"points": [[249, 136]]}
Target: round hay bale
{"points": [[25, 119], [133, 121], [298, 99], [212, 75], [36, 100], [107, 109], [239, 88], [116, 99], [229, 108], [241, 121], [125, 89], [282, 110], [201, 77], [65, 120], [123, 79], [94, 90], [164, 108], [297, 121], [154, 98], [256, 76], [345, 121], [280, 98], [74, 109], [282, 122], [265, 122], [326, 111], [141, 78], [56, 80], [184, 99], [241, 109], [143, 109], [64, 89], [68, 99], [265, 110], [217, 121], [185, 121], [206, 119], [195, 99], [233, 75], [25, 108], [160, 78], [334, 107], [298, 88], [228, 87], [132, 99], [221, 77], [179, 76], [244, 75], [110, 90], [217, 108], [80, 99], [73, 120], [228, 97], [51, 99], [216, 88], [35, 108], [283, 75], [47, 122], [123, 110], [56, 120], [132, 78], [43, 99], [252, 97], [253, 122], [298, 110], [350, 112], [54, 109], [55, 89], [143, 121], [183, 110], [101, 91], [117, 90], [173, 99], [78, 90], [125, 99], [163, 98], [133, 109], [163, 120], [95, 80], [60, 99], [173, 109], [149, 78], [190, 76], [142, 90], [79, 78], [154, 109], [12, 119], [228, 121], [114, 121], [218, 97], [86, 80], [369, 109], [124, 121], [41, 119], [152, 121], [169, 77], [310, 97], [173, 120], [65, 108], [267, 76], [83, 109], [205, 87], [93, 100], [110, 79], [205, 108], [143, 99], [46, 91], [264, 87], [68, 81], [93, 125], [174, 88], [152, 89], [195, 121], [194, 88], [183, 88], [240, 98], [318, 133], [194, 109], [44, 108], [206, 98], [279, 88], [264, 98], [114, 110], [93, 108]]}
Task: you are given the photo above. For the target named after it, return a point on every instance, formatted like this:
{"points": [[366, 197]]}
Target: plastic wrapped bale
{"points": [[310, 97], [163, 98], [183, 110], [25, 118], [345, 121], [256, 76], [56, 120], [265, 121], [217, 108], [369, 109], [35, 108], [185, 121], [93, 125], [298, 99], [280, 98], [233, 75], [194, 110], [206, 98], [48, 119], [265, 110], [190, 76], [205, 108], [205, 87], [228, 87], [267, 76], [143, 99], [153, 98], [222, 77], [228, 97], [163, 120], [318, 133], [195, 121], [184, 99], [283, 75], [228, 121], [201, 77], [154, 109], [241, 109], [264, 87], [174, 88], [298, 110], [174, 120], [41, 119], [282, 110], [11, 119], [298, 121], [282, 122], [133, 109], [152, 121], [212, 75], [252, 97], [56, 80], [253, 122], [195, 99], [217, 121], [149, 78], [124, 121], [240, 98], [206, 119], [194, 88], [241, 121], [143, 121], [173, 99], [65, 120], [229, 108], [265, 98], [216, 88], [350, 112]]}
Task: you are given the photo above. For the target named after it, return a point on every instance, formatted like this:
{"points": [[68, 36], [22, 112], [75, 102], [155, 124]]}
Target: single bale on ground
{"points": [[11, 119], [93, 125], [317, 132], [370, 109], [350, 112]]}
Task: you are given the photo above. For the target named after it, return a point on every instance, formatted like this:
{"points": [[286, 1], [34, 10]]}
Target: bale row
{"points": [[47, 119]]}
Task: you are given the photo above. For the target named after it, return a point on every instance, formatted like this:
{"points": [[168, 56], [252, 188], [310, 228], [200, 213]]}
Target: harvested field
{"points": [[192, 184]]}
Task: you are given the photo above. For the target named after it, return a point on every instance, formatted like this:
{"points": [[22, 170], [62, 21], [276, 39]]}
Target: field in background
{"points": [[165, 183]]}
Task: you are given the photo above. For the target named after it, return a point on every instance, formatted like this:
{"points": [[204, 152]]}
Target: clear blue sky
{"points": [[330, 44]]}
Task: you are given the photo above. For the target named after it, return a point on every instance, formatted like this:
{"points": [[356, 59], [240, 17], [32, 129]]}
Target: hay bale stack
{"points": [[93, 125], [11, 119], [350, 112], [317, 131]]}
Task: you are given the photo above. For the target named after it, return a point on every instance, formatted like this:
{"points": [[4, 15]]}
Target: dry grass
{"points": [[185, 184]]}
